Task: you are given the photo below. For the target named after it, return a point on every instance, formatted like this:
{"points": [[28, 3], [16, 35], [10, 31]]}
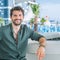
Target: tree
{"points": [[32, 20], [42, 21], [36, 11]]}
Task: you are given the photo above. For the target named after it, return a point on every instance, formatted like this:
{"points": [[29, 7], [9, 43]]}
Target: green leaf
{"points": [[35, 9], [32, 20], [42, 21]]}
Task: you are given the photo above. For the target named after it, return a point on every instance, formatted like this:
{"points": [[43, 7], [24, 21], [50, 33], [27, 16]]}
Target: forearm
{"points": [[42, 41]]}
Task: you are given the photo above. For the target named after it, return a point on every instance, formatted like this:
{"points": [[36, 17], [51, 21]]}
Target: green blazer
{"points": [[9, 49]]}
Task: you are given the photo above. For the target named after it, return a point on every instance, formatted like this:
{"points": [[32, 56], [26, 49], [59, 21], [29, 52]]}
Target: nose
{"points": [[18, 17]]}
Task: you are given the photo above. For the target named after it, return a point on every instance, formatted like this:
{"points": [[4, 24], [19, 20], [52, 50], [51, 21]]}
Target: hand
{"points": [[41, 53]]}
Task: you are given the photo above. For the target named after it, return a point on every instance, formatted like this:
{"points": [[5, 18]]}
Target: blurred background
{"points": [[40, 15]]}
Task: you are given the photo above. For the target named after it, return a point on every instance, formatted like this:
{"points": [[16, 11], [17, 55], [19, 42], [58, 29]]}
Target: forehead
{"points": [[17, 12]]}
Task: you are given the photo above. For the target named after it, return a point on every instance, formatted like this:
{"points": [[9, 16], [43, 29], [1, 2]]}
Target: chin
{"points": [[17, 24]]}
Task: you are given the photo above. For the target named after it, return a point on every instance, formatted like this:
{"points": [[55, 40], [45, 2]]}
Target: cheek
{"points": [[12, 18], [22, 18]]}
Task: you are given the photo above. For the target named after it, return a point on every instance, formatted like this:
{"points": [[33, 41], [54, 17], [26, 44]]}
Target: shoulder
{"points": [[26, 28], [4, 27]]}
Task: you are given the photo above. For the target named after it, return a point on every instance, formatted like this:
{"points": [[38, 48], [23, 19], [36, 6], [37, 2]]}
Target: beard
{"points": [[17, 22]]}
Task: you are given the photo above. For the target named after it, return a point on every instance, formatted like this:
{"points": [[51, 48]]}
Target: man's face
{"points": [[17, 17]]}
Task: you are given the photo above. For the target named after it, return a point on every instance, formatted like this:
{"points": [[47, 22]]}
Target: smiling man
{"points": [[14, 38]]}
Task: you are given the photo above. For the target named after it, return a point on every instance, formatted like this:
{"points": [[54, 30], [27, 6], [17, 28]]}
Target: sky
{"points": [[48, 1], [50, 8]]}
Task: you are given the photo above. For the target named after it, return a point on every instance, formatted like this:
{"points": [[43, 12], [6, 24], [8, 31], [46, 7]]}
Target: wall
{"points": [[52, 50]]}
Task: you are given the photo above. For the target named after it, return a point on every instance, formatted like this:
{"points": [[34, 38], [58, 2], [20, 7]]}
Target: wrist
{"points": [[42, 46]]}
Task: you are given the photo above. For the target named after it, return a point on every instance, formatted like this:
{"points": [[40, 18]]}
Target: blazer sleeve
{"points": [[34, 35]]}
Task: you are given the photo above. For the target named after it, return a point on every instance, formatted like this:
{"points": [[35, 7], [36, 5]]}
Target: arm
{"points": [[38, 37], [41, 49]]}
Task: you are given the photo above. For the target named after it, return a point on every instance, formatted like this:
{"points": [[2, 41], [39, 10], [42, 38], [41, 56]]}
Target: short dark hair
{"points": [[16, 8]]}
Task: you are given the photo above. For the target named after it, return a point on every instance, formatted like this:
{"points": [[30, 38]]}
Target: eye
{"points": [[19, 14], [14, 15]]}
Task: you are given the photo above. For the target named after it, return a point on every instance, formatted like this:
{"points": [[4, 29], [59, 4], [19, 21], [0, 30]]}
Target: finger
{"points": [[41, 56], [37, 52]]}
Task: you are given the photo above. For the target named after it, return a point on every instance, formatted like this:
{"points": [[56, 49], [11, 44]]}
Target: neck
{"points": [[15, 28]]}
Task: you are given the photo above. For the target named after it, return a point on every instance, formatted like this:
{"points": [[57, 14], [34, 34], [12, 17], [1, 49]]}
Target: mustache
{"points": [[18, 19]]}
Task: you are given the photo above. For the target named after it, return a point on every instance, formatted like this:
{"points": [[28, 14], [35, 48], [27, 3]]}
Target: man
{"points": [[14, 38]]}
